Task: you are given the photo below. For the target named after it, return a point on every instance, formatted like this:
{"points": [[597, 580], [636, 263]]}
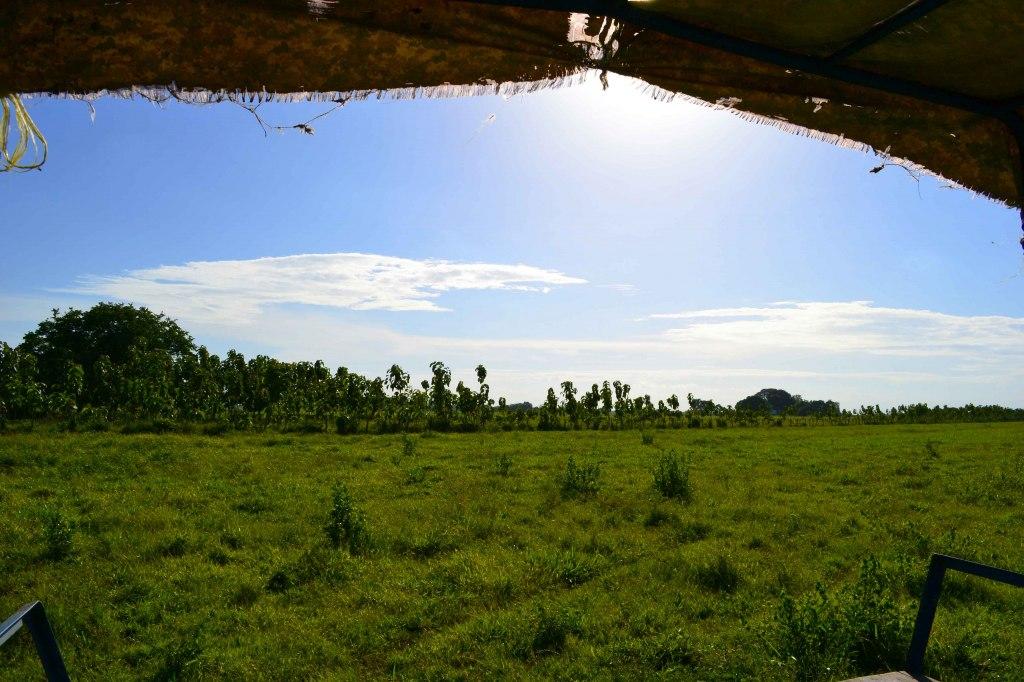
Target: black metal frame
{"points": [[631, 13], [33, 617], [909, 14], [941, 563]]}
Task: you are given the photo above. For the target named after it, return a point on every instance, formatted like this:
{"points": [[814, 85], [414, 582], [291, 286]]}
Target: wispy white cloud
{"points": [[239, 290], [847, 327], [627, 289]]}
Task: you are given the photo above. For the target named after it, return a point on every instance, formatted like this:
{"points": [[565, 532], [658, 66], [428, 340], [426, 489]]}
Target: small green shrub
{"points": [[157, 426], [58, 535], [231, 540], [568, 567], [280, 581], [316, 563], [504, 466], [408, 446], [180, 660], [423, 546], [647, 438], [344, 425], [307, 426], [672, 478], [579, 480], [671, 651], [546, 632], [245, 595], [173, 548], [346, 525], [693, 531], [858, 630], [809, 636], [415, 475], [216, 428], [256, 503], [720, 575], [657, 517], [553, 629]]}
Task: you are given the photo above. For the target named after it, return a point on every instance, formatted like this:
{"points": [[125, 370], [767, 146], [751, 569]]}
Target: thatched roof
{"points": [[937, 82]]}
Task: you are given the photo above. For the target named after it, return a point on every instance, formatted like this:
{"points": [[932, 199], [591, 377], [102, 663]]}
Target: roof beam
{"points": [[909, 14], [1013, 102], [632, 13], [628, 12]]}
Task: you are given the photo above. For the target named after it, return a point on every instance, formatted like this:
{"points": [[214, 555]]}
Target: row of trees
{"points": [[118, 363]]}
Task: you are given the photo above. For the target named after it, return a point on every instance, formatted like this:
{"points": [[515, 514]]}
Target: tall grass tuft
{"points": [[720, 575], [346, 525], [856, 630], [58, 535], [579, 480], [672, 478]]}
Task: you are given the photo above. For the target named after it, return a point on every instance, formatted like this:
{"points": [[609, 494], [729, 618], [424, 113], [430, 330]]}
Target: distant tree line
{"points": [[116, 363]]}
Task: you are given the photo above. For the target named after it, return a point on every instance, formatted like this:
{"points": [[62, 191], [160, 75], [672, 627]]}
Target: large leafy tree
{"points": [[115, 330]]}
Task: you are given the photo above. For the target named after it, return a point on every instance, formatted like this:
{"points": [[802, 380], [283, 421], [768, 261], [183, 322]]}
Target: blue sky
{"points": [[571, 233]]}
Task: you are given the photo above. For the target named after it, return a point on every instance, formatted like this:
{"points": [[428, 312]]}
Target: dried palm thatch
{"points": [[19, 134], [937, 82]]}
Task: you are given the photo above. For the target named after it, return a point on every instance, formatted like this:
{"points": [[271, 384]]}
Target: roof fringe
{"points": [[166, 93], [838, 140], [161, 94]]}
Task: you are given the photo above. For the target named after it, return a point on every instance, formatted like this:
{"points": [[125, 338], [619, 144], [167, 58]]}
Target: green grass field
{"points": [[163, 557]]}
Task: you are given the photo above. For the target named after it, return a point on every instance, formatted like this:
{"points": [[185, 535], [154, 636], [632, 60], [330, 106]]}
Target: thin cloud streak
{"points": [[237, 291], [848, 327]]}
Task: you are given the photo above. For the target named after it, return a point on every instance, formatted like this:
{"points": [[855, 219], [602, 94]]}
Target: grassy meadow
{"points": [[477, 556]]}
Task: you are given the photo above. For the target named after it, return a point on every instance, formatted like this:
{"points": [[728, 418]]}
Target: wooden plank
{"points": [[893, 677]]}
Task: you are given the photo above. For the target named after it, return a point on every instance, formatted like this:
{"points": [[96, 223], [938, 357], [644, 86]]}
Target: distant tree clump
{"points": [[118, 364]]}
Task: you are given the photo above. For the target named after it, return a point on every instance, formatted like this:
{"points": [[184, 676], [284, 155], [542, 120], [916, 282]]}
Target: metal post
{"points": [[33, 617], [926, 615]]}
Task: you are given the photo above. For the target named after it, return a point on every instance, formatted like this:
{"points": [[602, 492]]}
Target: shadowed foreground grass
{"points": [[167, 557]]}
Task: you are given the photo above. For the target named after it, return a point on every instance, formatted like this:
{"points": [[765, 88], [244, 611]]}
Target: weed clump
{"points": [[504, 466], [316, 563], [245, 595], [415, 475], [693, 531], [58, 535], [579, 480], [657, 517], [346, 525], [157, 426], [672, 651], [174, 548], [672, 478], [857, 630], [721, 575], [647, 438], [281, 581], [547, 631], [571, 568]]}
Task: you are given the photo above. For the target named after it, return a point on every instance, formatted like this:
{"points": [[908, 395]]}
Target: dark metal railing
{"points": [[940, 563], [33, 617]]}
